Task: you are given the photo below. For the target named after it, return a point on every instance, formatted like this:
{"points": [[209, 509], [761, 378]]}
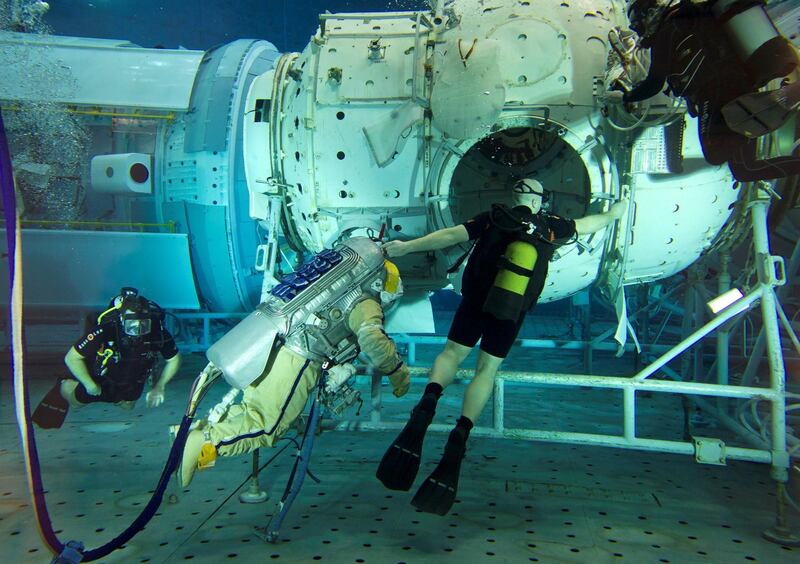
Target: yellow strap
{"points": [[106, 354]]}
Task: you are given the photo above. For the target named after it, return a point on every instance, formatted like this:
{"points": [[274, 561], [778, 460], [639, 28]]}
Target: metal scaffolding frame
{"points": [[771, 274], [773, 451]]}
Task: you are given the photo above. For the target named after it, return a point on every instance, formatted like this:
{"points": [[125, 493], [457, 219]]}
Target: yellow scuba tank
{"points": [[505, 299]]}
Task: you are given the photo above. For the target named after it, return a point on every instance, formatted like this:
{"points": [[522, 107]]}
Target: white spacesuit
{"points": [[327, 311]]}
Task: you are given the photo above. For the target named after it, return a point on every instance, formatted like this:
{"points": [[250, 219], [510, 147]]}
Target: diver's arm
{"points": [[171, 366], [593, 223], [647, 88], [660, 57], [440, 239], [155, 396], [77, 366]]}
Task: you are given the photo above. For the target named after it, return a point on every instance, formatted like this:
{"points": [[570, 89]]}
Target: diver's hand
{"points": [[92, 388], [401, 381], [155, 397], [613, 96], [395, 249], [618, 209]]}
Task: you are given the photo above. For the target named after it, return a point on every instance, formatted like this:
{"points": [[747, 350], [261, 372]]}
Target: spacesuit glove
{"points": [[338, 375], [155, 397], [401, 381]]}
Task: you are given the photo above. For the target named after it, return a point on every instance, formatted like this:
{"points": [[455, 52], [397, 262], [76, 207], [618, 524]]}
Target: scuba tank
{"points": [[766, 54], [506, 297]]}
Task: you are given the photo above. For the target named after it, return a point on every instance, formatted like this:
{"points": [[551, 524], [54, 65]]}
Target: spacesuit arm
{"points": [[440, 239], [366, 321]]}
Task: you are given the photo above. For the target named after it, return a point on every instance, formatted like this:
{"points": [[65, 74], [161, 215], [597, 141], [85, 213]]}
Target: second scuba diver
{"points": [[112, 362]]}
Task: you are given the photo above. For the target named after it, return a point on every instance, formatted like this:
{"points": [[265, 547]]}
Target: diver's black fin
{"points": [[758, 113], [438, 493], [52, 410], [400, 463]]}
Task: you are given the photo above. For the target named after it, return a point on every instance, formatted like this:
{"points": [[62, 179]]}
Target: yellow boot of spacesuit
{"points": [[198, 454]]}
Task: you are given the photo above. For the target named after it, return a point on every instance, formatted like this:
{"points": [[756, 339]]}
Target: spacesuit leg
{"points": [[269, 406]]}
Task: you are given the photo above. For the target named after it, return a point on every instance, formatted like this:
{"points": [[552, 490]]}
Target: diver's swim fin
{"points": [[758, 113], [438, 492], [400, 463], [52, 410]]}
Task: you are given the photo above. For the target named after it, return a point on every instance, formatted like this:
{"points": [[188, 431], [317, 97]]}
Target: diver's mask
{"points": [[136, 324], [646, 17], [531, 187]]}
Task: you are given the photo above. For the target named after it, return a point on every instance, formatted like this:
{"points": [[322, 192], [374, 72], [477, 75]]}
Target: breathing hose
{"points": [[72, 551]]}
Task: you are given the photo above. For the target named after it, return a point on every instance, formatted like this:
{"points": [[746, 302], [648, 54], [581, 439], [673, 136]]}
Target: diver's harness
{"points": [[125, 342], [506, 219]]}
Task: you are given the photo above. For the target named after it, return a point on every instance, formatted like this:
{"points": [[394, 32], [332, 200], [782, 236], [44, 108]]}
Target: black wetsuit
{"points": [[120, 364], [471, 322], [691, 52]]}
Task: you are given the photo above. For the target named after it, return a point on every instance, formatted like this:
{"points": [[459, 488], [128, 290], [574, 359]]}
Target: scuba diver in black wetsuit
{"points": [[502, 281], [113, 360], [716, 55]]}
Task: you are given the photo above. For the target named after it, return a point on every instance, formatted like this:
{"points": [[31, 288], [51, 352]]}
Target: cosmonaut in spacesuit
{"points": [[327, 311]]}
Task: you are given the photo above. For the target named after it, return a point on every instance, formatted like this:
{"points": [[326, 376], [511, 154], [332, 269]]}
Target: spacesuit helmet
{"points": [[389, 287]]}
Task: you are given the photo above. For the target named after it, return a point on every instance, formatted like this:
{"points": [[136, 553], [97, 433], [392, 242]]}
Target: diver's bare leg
{"points": [[447, 363], [480, 389]]}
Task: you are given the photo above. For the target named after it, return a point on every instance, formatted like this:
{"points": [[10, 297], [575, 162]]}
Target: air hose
{"points": [[21, 400], [73, 550], [299, 471]]}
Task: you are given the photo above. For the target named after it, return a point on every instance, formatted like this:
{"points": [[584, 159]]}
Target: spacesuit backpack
{"points": [[307, 312]]}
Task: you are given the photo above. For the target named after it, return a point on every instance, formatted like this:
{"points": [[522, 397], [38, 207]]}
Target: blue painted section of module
{"points": [[202, 180]]}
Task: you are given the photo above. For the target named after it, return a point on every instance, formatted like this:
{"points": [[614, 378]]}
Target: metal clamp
{"points": [[709, 450], [272, 181], [772, 269], [262, 252]]}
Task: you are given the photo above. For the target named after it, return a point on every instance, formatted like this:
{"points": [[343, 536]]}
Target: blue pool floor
{"points": [[518, 501]]}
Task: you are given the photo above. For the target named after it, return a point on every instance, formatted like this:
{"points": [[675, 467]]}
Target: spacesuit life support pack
{"points": [[308, 311]]}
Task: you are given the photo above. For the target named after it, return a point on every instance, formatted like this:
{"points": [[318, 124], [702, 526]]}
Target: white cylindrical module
{"points": [[123, 174]]}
